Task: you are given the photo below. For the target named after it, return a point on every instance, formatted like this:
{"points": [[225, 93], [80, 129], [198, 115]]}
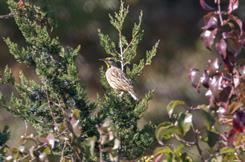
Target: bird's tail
{"points": [[133, 94]]}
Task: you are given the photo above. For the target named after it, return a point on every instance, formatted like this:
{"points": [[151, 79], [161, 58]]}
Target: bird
{"points": [[117, 78]]}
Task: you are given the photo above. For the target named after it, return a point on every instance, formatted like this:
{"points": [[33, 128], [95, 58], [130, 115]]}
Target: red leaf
{"points": [[233, 5], [238, 22], [221, 47], [205, 6], [159, 158], [210, 21], [242, 71], [239, 120], [215, 85], [231, 134], [51, 140], [213, 67], [76, 127], [208, 37], [235, 43], [21, 4], [193, 76], [238, 124], [205, 79]]}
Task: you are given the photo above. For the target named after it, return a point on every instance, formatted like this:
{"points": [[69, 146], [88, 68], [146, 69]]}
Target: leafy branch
{"points": [[126, 51], [123, 113]]}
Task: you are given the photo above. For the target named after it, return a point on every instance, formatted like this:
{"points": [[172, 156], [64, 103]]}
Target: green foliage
{"points": [[137, 69], [213, 137], [198, 123], [123, 111], [184, 122], [21, 55], [4, 136], [170, 154], [142, 105], [107, 43], [8, 76], [56, 104], [124, 114], [118, 20], [209, 119], [54, 64], [125, 51], [174, 104], [68, 126], [174, 131], [166, 131]]}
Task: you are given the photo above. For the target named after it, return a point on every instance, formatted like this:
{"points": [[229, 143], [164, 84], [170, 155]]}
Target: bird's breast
{"points": [[113, 77]]}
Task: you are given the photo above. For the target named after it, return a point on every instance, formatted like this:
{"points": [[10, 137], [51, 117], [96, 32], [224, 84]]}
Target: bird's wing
{"points": [[125, 83]]}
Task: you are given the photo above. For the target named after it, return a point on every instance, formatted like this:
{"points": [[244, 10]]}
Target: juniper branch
{"points": [[7, 16]]}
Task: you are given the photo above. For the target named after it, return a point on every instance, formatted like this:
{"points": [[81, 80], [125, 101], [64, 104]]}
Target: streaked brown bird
{"points": [[117, 79]]}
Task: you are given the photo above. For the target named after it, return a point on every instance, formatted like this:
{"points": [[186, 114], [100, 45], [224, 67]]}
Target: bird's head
{"points": [[109, 61]]}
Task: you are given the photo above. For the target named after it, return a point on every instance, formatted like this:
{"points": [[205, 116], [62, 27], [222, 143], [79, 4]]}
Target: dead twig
{"points": [[10, 15]]}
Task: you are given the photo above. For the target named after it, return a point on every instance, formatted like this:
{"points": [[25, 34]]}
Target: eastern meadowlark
{"points": [[117, 79]]}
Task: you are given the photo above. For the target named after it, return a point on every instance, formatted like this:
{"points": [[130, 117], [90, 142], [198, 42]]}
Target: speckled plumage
{"points": [[118, 81]]}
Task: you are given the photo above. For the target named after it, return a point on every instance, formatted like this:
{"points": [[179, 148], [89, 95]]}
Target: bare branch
{"points": [[220, 13], [10, 15], [197, 133], [121, 51]]}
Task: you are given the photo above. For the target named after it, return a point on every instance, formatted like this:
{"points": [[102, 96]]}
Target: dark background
{"points": [[177, 23]]}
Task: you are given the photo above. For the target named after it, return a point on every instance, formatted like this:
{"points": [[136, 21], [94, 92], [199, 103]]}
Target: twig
{"points": [[220, 13], [128, 45], [198, 145], [121, 51], [101, 153], [49, 106], [26, 127], [36, 149], [100, 144], [77, 150], [62, 152], [6, 16]]}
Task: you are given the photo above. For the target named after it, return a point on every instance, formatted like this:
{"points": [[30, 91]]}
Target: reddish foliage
{"points": [[225, 82], [21, 4], [206, 6]]}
